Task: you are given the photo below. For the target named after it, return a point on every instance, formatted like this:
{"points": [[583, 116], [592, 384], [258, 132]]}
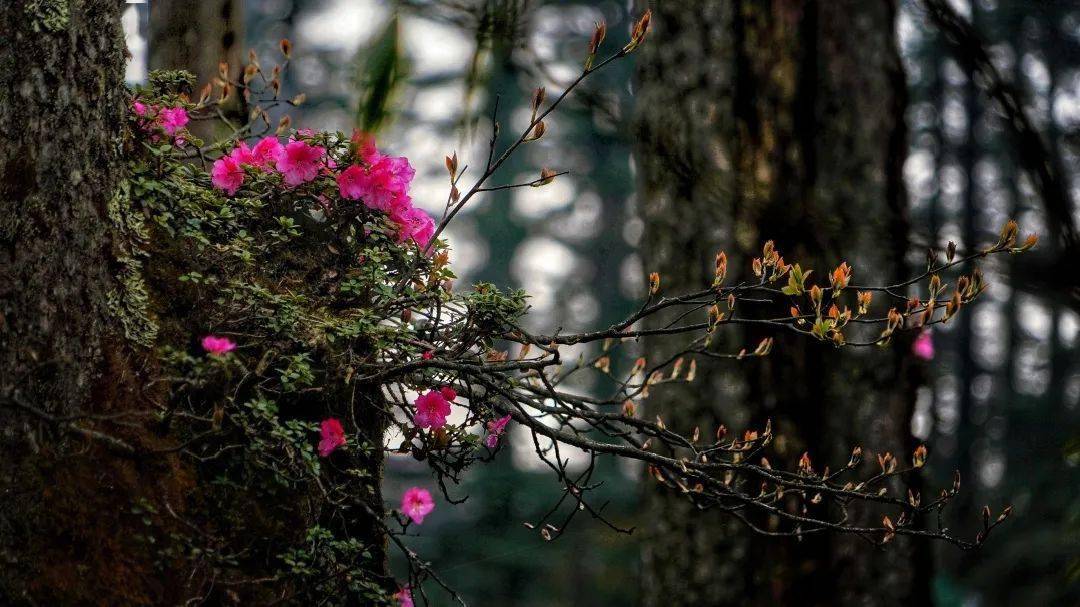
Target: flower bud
{"points": [[538, 98], [721, 268], [598, 37]]}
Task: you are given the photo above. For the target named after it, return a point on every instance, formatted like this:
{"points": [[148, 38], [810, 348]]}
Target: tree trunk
{"points": [[197, 37], [96, 502], [65, 495], [777, 120]]}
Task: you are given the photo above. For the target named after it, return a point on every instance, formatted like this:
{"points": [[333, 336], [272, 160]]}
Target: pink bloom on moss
{"points": [[495, 429], [173, 119], [218, 345], [242, 154], [404, 597], [265, 154], [416, 504], [300, 162], [433, 407], [227, 175], [414, 224], [923, 346], [332, 436], [427, 355], [351, 183], [384, 183]]}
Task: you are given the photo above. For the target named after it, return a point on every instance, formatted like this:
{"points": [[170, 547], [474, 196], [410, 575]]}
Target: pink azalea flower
{"points": [[391, 176], [329, 165], [433, 407], [266, 153], [333, 436], [300, 162], [218, 345], [173, 119], [351, 183], [242, 154], [227, 174], [139, 108], [415, 224], [404, 597], [495, 429], [398, 205], [923, 346], [385, 182], [416, 504]]}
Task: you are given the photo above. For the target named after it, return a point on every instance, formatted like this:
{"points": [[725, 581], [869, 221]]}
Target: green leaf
{"points": [[379, 77]]}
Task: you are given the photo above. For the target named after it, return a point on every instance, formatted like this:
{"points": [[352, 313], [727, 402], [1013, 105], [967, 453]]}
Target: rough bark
{"points": [[777, 120], [73, 474], [61, 110]]}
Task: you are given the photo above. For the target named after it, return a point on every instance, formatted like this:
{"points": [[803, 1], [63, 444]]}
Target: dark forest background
{"points": [[1003, 404]]}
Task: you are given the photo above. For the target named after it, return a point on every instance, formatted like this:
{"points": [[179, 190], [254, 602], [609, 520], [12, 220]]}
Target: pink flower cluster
{"points": [[169, 119], [382, 182], [297, 161], [416, 503], [433, 407]]}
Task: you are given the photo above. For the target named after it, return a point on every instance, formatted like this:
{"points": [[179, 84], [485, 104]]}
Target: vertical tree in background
{"points": [[782, 121], [1002, 407], [198, 37]]}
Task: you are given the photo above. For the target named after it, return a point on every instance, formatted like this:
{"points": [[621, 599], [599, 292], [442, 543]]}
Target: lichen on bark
{"points": [[49, 15]]}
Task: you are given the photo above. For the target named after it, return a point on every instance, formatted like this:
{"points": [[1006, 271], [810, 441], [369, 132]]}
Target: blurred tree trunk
{"points": [[778, 120], [198, 36]]}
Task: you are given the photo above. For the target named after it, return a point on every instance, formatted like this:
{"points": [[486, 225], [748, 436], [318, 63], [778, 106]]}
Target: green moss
{"points": [[49, 15], [171, 82], [130, 302]]}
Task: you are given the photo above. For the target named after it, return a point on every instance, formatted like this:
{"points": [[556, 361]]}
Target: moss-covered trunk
{"points": [[778, 120], [98, 503], [64, 488]]}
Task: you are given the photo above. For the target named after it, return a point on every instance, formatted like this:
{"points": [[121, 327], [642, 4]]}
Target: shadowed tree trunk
{"points": [[197, 37], [778, 120], [64, 490], [77, 479]]}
